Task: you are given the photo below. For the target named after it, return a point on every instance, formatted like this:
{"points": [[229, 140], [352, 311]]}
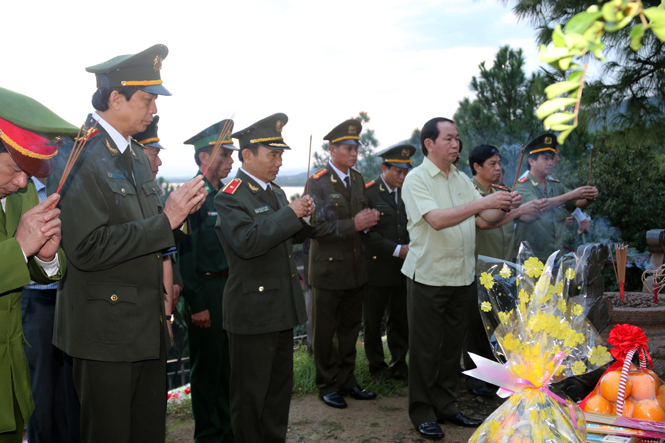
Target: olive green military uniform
{"points": [[110, 307], [385, 291], [337, 273], [498, 243], [545, 234], [16, 404], [205, 272]]}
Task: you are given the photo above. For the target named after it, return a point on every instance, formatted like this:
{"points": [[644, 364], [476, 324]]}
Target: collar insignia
{"points": [[534, 182], [111, 148], [381, 188], [332, 178], [252, 187]]}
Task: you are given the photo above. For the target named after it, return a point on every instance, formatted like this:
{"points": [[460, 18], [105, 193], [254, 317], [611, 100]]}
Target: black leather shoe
{"points": [[431, 430], [361, 394], [462, 420], [483, 391], [335, 400]]}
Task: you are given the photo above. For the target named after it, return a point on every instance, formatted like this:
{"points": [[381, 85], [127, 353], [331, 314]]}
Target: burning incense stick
{"points": [[590, 165], [79, 143], [621, 254], [222, 134], [309, 160], [519, 167]]}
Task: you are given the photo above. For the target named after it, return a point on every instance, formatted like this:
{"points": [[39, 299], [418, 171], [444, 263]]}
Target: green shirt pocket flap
{"points": [[121, 187], [260, 284], [150, 187], [331, 255], [113, 293]]}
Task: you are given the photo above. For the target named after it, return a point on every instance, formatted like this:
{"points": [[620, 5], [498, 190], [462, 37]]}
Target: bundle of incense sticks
{"points": [[519, 167], [621, 252], [657, 279], [309, 159], [79, 143], [225, 130]]}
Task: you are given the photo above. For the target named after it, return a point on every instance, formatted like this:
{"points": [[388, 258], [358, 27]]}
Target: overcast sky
{"points": [[402, 61]]}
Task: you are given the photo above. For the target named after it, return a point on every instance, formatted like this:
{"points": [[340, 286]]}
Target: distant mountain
{"points": [[292, 180]]}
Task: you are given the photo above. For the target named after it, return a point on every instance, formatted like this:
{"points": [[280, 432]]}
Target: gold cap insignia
{"points": [[548, 140], [157, 64], [279, 126], [405, 152], [352, 129]]}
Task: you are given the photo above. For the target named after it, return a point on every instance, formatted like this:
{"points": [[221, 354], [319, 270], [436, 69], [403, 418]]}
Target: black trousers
{"points": [[57, 412], [122, 402], [476, 339], [437, 329], [391, 301], [261, 386]]}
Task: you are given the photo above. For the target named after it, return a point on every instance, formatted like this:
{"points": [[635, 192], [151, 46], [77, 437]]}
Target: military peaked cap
{"points": [[141, 70], [149, 137], [398, 155], [209, 136], [346, 133], [545, 144], [266, 132]]}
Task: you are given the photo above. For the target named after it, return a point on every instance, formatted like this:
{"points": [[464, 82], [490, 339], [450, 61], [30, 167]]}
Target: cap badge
{"points": [[548, 140], [157, 64], [352, 129], [57, 141], [405, 152], [279, 126]]}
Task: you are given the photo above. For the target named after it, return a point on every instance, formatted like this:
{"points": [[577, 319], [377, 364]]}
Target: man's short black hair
{"points": [[100, 99], [2, 147], [198, 152], [480, 154], [253, 148], [431, 130]]}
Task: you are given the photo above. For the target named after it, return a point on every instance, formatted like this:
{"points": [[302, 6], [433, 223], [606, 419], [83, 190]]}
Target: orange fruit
{"points": [[628, 407], [609, 386], [519, 438], [509, 421], [660, 397], [648, 410], [644, 386], [655, 377], [598, 403]]}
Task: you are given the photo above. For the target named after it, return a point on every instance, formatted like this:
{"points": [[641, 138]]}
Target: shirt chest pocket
{"points": [[152, 192], [121, 187]]}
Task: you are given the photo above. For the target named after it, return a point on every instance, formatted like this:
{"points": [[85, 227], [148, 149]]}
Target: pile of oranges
{"points": [[644, 396]]}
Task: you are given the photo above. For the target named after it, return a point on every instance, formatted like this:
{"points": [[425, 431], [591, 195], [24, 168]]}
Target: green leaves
{"points": [[636, 35], [551, 106], [561, 88], [581, 22], [656, 16]]}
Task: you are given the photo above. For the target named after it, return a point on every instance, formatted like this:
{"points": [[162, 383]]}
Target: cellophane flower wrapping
{"points": [[535, 317]]}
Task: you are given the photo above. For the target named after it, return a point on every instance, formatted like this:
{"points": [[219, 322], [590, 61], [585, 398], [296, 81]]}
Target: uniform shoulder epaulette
{"points": [[319, 174], [370, 184], [232, 186], [523, 179], [276, 185], [357, 171], [553, 180], [503, 188]]}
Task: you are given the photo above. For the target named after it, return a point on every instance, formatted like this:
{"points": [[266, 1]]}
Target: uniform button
{"points": [[261, 288], [330, 259], [289, 256], [293, 275], [382, 213], [398, 212], [374, 258], [398, 226], [122, 190], [114, 298], [159, 255]]}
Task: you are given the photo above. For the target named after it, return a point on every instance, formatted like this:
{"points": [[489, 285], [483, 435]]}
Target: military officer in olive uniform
{"points": [[386, 247], [545, 231], [29, 243], [337, 268], [263, 299], [497, 241], [110, 307], [205, 272]]}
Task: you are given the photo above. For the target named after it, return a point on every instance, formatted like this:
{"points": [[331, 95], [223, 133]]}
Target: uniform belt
{"points": [[217, 274]]}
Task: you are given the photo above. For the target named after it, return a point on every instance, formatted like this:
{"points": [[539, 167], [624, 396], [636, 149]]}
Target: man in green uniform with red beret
{"points": [[205, 272], [110, 310], [29, 241]]}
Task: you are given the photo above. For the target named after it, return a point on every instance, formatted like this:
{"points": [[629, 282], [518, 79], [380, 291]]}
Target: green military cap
{"points": [[29, 114], [459, 151], [140, 70], [149, 137], [543, 144], [346, 133], [26, 130], [398, 155], [209, 136], [266, 132]]}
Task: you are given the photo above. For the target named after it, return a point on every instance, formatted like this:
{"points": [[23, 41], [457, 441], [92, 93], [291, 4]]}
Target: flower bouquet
{"points": [[536, 315]]}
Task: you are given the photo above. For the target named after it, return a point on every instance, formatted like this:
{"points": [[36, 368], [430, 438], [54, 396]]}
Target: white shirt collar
{"points": [[120, 141], [261, 183], [384, 182], [340, 173]]}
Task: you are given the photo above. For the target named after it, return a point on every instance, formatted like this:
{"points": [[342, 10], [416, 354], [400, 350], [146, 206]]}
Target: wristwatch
{"points": [[170, 318]]}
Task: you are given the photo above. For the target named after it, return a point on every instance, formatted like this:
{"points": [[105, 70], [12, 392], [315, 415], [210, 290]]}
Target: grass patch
{"points": [[181, 410]]}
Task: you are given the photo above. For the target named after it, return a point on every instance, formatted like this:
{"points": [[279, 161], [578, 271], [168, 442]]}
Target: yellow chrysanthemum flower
{"points": [[486, 306], [599, 356], [579, 367], [561, 304], [523, 296], [505, 271], [533, 267], [578, 310], [570, 273], [486, 280], [503, 317], [558, 288]]}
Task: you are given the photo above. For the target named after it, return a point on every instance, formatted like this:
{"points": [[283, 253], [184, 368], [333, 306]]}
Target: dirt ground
{"points": [[381, 420]]}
